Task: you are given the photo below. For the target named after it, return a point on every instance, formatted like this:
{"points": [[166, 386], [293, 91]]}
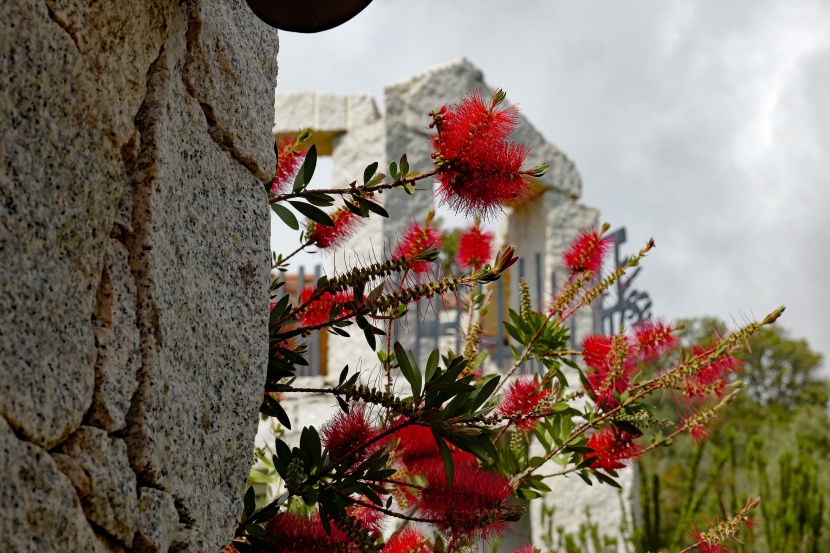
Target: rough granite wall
{"points": [[134, 139]]}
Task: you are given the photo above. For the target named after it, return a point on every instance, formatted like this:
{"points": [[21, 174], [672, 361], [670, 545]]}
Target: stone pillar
{"points": [[135, 140]]}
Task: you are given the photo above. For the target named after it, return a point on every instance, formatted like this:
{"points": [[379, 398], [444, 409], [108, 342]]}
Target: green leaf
{"points": [[373, 207], [315, 214], [446, 456], [432, 364], [310, 444], [249, 503], [484, 392], [306, 170], [272, 408], [393, 170], [370, 170], [287, 217], [627, 427], [322, 200], [343, 375], [368, 332], [410, 373], [404, 166]]}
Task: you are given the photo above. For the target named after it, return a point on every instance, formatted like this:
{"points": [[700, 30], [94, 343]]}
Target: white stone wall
{"points": [[133, 270]]}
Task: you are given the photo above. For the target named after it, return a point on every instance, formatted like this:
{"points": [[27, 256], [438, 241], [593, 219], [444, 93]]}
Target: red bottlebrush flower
{"points": [[710, 378], [417, 449], [327, 238], [478, 168], [415, 240], [528, 548], [587, 251], [610, 360], [347, 431], [408, 541], [475, 248], [522, 396], [319, 311], [613, 449], [289, 159], [304, 533], [473, 506], [654, 338]]}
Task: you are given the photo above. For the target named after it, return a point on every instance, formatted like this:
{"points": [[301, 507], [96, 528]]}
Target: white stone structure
{"points": [[352, 131]]}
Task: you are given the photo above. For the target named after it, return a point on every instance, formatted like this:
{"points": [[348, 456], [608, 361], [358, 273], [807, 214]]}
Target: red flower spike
{"points": [[654, 338], [479, 169], [289, 160], [417, 449], [522, 396], [473, 506], [475, 248], [301, 533], [528, 548], [611, 365], [346, 431], [587, 252], [319, 311], [408, 541], [613, 449], [328, 238], [414, 241], [710, 378]]}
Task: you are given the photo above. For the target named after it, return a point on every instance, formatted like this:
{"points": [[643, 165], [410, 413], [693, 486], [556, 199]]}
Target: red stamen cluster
{"points": [[417, 449], [587, 252], [654, 338], [478, 167], [329, 238], [319, 310], [304, 533], [475, 248], [415, 240], [289, 160], [611, 363], [471, 507], [522, 396], [613, 449], [347, 432], [408, 541], [710, 378]]}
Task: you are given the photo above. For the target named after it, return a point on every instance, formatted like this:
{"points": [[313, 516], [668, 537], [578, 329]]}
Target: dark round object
{"points": [[306, 16]]}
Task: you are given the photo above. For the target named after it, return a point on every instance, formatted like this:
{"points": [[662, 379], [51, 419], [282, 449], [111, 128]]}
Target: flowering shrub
{"points": [[449, 449]]}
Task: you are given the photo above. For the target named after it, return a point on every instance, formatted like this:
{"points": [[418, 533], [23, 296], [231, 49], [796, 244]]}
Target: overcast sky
{"points": [[703, 124]]}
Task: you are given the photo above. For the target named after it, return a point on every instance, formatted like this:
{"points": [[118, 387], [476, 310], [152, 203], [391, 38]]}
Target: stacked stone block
{"points": [[134, 144]]}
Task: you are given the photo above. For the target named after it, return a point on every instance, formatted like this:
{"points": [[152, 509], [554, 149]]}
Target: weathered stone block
{"points": [[230, 53], [117, 339], [71, 80], [112, 501], [39, 509], [158, 522], [200, 255]]}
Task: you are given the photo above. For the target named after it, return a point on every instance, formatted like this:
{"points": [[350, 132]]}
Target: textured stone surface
{"points": [[199, 252], [112, 501], [78, 180], [116, 339], [71, 80], [39, 509], [158, 522], [231, 70]]}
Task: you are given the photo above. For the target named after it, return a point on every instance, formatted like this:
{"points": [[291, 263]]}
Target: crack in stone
{"points": [[217, 132], [65, 25]]}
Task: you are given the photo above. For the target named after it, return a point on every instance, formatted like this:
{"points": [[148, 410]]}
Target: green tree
{"points": [[777, 443]]}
